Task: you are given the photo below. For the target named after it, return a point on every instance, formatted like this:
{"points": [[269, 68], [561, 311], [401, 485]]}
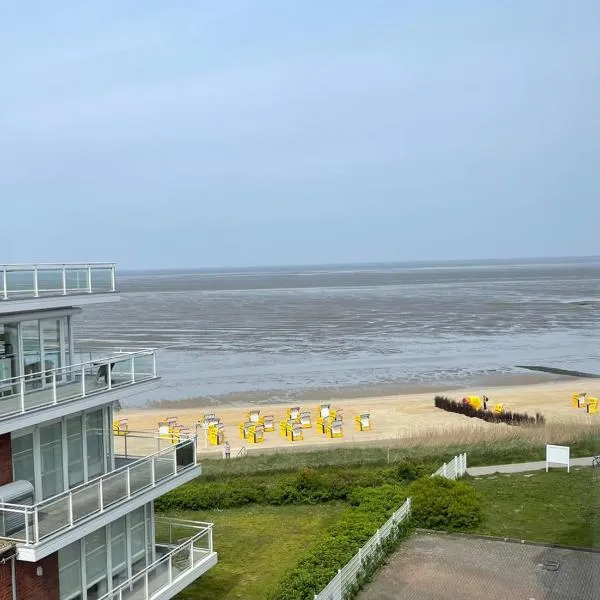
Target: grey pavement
{"points": [[524, 467], [448, 567]]}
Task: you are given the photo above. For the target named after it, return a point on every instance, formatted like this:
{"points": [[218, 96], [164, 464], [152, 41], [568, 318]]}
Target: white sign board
{"points": [[558, 455]]}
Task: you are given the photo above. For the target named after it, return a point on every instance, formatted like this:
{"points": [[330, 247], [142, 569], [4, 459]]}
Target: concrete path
{"points": [[523, 467]]}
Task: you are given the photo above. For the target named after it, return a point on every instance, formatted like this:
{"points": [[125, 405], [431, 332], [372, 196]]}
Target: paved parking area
{"points": [[445, 567]]}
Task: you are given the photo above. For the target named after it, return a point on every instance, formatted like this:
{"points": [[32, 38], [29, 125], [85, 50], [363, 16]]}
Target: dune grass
{"points": [[496, 444], [555, 507], [257, 545]]}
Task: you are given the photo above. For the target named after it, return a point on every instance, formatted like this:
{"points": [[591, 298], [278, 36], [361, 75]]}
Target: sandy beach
{"points": [[395, 419]]}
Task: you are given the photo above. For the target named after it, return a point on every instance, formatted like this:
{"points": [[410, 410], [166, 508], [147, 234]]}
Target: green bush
{"points": [[308, 485], [370, 508], [439, 503]]}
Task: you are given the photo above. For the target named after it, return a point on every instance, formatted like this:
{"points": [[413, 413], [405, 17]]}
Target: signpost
{"points": [[558, 455]]}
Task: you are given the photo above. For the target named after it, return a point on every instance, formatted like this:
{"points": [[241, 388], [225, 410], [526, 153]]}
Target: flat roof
{"points": [[430, 566]]}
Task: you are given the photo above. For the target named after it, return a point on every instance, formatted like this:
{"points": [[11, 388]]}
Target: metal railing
{"points": [[39, 389], [54, 279], [31, 524], [178, 559], [372, 552]]}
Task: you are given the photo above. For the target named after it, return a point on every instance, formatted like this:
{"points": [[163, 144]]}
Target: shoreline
{"points": [[338, 393], [398, 419]]}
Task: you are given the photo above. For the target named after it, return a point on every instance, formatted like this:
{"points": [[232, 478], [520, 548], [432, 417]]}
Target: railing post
{"points": [[54, 398], [444, 470], [170, 570], [175, 460], [191, 555], [5, 284], [83, 380], [112, 279], [100, 495], [108, 376], [153, 364], [132, 368], [128, 482], [36, 526], [27, 540], [64, 281], [146, 595], [89, 279], [71, 509], [22, 382], [152, 472], [36, 292], [360, 556]]}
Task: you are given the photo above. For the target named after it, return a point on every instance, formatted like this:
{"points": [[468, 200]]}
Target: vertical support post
{"points": [[132, 359], [71, 510], [112, 279], [444, 470], [83, 380], [27, 539], [153, 363], [54, 397], [108, 375], [360, 556], [100, 495], [36, 292], [170, 569], [128, 482], [22, 383], [4, 284], [152, 471], [191, 554], [36, 526], [64, 281], [89, 279], [175, 459]]}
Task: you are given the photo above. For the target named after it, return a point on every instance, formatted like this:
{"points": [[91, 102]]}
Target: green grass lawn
{"points": [[256, 546], [556, 507]]}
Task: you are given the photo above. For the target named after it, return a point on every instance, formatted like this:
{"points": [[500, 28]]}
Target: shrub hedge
{"points": [[370, 508], [510, 418], [305, 486], [439, 503]]}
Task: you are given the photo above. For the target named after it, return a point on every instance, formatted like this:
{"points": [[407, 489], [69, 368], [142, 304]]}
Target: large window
{"points": [[75, 450], [84, 565], [22, 451], [69, 571], [95, 564], [95, 443], [51, 457], [63, 454]]}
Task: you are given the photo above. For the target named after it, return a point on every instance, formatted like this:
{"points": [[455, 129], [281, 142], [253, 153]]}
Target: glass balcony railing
{"points": [[36, 281], [35, 523], [33, 391], [186, 554]]}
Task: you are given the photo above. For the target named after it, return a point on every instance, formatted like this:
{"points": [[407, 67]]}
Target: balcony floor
{"points": [[43, 396]]}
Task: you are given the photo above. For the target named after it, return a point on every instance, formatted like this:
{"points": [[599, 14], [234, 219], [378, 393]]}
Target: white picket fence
{"points": [[346, 576]]}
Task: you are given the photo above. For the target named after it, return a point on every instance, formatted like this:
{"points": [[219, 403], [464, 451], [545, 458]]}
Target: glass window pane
{"points": [[22, 455], [95, 556], [69, 570], [137, 524], [51, 459], [95, 443], [118, 543], [75, 450], [32, 365], [51, 339]]}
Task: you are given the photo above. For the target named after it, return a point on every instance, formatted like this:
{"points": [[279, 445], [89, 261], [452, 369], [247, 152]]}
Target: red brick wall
{"points": [[30, 585], [5, 459]]}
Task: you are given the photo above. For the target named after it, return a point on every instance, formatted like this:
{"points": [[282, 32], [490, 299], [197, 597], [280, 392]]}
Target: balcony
{"points": [[41, 286], [43, 395], [42, 528], [187, 554]]}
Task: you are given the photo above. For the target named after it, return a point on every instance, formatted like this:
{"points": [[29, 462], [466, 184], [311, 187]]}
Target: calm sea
{"points": [[276, 333]]}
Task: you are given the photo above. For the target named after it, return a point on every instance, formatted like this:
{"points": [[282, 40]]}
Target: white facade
{"points": [[68, 489]]}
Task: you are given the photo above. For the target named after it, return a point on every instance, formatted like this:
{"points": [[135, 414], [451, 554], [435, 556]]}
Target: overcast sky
{"points": [[236, 133]]}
